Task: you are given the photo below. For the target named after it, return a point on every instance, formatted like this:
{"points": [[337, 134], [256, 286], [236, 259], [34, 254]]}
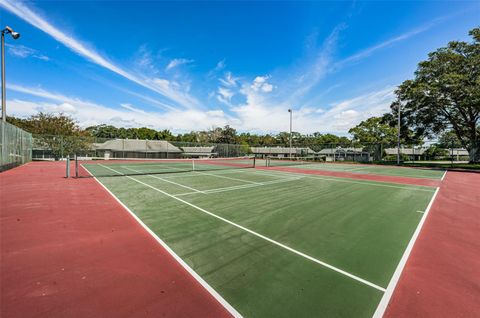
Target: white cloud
{"points": [[89, 113], [24, 12], [260, 84], [177, 62], [24, 52]]}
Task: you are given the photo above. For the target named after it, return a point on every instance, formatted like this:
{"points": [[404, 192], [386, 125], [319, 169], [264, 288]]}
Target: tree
{"points": [[374, 131], [103, 131], [58, 133], [225, 135], [445, 94], [435, 151], [449, 140]]}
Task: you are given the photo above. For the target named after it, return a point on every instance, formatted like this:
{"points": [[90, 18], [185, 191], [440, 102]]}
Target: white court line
{"points": [[361, 280], [169, 181], [182, 263], [153, 165], [230, 178], [382, 306], [443, 176], [198, 174], [239, 187], [306, 175]]}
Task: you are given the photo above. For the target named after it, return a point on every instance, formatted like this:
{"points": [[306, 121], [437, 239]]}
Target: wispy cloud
{"points": [[23, 51], [132, 108], [229, 80], [168, 91], [177, 62], [220, 65], [389, 42]]}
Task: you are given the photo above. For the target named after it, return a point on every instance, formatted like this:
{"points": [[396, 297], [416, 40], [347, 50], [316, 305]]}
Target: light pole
{"points": [[290, 151], [398, 134], [15, 35]]}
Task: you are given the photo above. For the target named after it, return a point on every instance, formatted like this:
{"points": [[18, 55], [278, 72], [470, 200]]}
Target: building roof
{"points": [[198, 150], [280, 150], [458, 151], [327, 151], [405, 151], [136, 145]]}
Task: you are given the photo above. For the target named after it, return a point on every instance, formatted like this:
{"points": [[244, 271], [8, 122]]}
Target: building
{"points": [[416, 154], [412, 153], [281, 152], [345, 154], [134, 148], [198, 152]]}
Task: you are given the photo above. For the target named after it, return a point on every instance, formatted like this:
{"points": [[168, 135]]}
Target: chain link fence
{"points": [[47, 147], [16, 146], [58, 147]]}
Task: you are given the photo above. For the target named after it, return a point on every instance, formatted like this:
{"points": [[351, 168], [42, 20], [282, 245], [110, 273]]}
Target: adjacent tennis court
{"points": [[273, 243], [307, 163]]}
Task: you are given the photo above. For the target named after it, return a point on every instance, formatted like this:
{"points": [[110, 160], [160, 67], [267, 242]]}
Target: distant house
{"points": [[198, 152], [281, 152], [134, 148], [345, 154], [457, 154], [411, 153]]}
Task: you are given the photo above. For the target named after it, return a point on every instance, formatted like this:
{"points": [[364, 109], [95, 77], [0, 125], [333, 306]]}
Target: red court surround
{"points": [[68, 249], [442, 276]]}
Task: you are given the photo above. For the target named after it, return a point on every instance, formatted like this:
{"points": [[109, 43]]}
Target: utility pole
{"points": [[290, 111], [398, 134]]}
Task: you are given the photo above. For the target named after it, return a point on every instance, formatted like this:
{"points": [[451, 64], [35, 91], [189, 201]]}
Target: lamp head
{"points": [[15, 35]]}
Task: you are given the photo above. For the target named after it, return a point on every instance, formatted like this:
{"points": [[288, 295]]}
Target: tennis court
{"points": [[273, 243], [355, 168]]}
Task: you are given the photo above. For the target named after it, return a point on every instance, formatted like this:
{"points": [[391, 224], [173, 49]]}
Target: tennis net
{"points": [[101, 167], [287, 161]]}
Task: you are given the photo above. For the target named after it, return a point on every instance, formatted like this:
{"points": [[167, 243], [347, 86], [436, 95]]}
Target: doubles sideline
{"points": [[182, 263], [382, 306]]}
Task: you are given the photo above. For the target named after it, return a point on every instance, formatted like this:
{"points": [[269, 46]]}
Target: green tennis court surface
{"points": [[276, 244], [357, 168]]}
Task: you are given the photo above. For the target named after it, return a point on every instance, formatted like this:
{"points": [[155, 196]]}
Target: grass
{"points": [[358, 227]]}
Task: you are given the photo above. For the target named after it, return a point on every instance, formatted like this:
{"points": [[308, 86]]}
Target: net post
{"points": [[193, 164], [67, 175], [76, 165], [254, 161]]}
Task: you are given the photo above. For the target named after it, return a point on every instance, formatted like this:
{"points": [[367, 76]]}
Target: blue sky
{"points": [[195, 65]]}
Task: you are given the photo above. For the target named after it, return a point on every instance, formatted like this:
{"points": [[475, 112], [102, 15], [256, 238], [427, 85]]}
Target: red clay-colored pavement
{"points": [[359, 176], [442, 276], [68, 249]]}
